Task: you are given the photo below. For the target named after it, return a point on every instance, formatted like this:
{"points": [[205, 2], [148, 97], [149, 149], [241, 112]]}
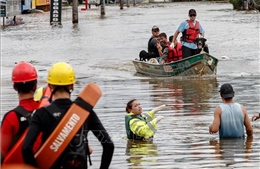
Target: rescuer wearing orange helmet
{"points": [[14, 123]]}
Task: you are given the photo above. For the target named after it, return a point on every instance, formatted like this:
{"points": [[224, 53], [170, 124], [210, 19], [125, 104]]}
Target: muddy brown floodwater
{"points": [[101, 50]]}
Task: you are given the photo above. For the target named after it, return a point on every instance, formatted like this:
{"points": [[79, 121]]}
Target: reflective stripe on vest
{"points": [[130, 134]]}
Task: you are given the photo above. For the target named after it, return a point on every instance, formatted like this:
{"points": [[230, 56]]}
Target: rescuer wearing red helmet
{"points": [[14, 123]]}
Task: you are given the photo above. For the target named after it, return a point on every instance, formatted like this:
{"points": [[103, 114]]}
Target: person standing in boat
{"points": [[230, 117], [14, 123], [61, 79], [141, 126], [191, 29]]}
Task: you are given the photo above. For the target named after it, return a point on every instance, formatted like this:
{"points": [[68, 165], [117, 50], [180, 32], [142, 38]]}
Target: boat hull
{"points": [[196, 65]]}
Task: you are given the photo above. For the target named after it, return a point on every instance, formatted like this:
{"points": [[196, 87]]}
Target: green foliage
{"points": [[237, 4]]}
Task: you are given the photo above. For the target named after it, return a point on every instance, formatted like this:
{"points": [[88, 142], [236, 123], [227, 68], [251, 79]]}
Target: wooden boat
{"points": [[196, 65]]}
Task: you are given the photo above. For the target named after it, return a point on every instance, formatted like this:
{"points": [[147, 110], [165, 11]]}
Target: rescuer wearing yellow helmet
{"points": [[141, 126], [61, 75], [61, 79]]}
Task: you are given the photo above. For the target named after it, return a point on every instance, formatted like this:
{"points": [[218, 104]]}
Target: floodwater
{"points": [[101, 49]]}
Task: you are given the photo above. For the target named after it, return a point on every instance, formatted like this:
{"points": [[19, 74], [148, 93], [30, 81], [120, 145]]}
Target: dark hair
{"points": [[129, 105], [163, 34], [64, 88], [170, 38], [26, 87], [227, 99]]}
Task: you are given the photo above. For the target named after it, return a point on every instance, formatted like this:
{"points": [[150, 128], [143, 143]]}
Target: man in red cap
{"points": [[14, 123], [230, 117], [191, 29]]}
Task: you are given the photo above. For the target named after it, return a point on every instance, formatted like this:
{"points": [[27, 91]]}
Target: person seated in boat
{"points": [[176, 49], [153, 41], [161, 45], [152, 46], [141, 126], [172, 52]]}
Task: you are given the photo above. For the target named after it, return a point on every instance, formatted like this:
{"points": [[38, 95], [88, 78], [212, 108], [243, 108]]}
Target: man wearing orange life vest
{"points": [[177, 50], [191, 29], [170, 53]]}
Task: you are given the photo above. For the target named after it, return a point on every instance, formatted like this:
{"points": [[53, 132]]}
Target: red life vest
{"points": [[175, 53], [190, 35]]}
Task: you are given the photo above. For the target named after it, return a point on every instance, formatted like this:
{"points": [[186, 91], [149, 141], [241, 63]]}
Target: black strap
{"points": [[90, 163], [85, 105], [22, 111], [52, 108], [83, 128], [56, 89]]}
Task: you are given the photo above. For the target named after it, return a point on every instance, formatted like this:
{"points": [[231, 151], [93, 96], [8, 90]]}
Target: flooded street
{"points": [[101, 50]]}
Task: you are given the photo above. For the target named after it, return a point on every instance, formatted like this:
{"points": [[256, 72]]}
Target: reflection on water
{"points": [[233, 151], [179, 94], [140, 152], [182, 139]]}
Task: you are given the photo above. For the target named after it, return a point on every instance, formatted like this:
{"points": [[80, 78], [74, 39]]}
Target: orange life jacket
{"points": [[175, 53], [190, 35]]}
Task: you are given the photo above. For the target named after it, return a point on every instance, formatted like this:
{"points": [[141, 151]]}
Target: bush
{"points": [[237, 4]]}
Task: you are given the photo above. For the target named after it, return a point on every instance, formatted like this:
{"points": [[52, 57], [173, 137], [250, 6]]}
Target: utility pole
{"points": [[102, 10], [75, 11], [121, 4]]}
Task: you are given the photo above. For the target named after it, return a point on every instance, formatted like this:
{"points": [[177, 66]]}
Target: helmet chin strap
{"points": [[56, 89]]}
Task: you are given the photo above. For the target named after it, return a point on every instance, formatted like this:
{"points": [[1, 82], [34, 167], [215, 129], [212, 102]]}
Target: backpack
{"points": [[77, 152], [24, 118], [22, 111]]}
